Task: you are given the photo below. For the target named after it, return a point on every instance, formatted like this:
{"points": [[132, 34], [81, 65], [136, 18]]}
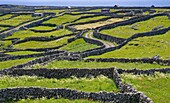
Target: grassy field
{"points": [[5, 16], [139, 27], [78, 46], [161, 10], [101, 83], [27, 33], [10, 63], [3, 28], [143, 47], [40, 44], [97, 24], [4, 44], [54, 11], [62, 19], [17, 20], [42, 28], [44, 100], [90, 19], [99, 10], [156, 87], [80, 64], [22, 53]]}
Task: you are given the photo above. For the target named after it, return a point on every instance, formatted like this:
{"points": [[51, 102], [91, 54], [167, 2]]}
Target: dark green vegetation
{"points": [[156, 86], [60, 34]]}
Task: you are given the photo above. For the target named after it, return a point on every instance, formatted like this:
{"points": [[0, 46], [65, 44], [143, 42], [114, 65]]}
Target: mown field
{"points": [[66, 41]]}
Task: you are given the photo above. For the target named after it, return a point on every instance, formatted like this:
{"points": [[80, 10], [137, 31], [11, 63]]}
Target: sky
{"points": [[88, 2]]}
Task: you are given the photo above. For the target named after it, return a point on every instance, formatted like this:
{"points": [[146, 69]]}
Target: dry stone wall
{"points": [[16, 94], [127, 60], [129, 94], [108, 38], [42, 38], [29, 55], [130, 21]]}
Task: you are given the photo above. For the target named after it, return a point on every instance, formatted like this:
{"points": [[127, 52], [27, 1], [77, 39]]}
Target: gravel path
{"points": [[107, 44]]}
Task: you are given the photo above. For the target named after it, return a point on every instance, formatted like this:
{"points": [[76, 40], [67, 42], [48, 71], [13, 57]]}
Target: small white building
{"points": [[37, 14], [43, 14], [105, 10]]}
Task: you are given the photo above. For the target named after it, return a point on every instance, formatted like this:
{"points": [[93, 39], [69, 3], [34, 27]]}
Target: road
{"points": [[106, 43]]}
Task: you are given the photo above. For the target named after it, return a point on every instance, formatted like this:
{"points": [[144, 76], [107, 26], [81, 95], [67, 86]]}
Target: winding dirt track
{"points": [[107, 44]]}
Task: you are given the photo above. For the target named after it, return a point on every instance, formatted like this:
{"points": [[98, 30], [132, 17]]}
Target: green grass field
{"points": [[40, 44], [101, 83], [44, 100], [42, 28], [78, 45], [62, 19], [4, 44], [27, 33], [54, 11], [3, 28], [5, 16], [90, 19], [10, 63], [156, 87], [99, 10], [80, 64], [17, 20], [143, 47], [139, 27], [22, 53]]}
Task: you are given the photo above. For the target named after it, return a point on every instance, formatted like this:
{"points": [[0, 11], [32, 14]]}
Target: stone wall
{"points": [[29, 55], [36, 23], [79, 35], [108, 38], [127, 60], [101, 51], [92, 41], [27, 24], [92, 21], [127, 88], [60, 73], [45, 31], [147, 72], [16, 94], [130, 21], [41, 38], [67, 73]]}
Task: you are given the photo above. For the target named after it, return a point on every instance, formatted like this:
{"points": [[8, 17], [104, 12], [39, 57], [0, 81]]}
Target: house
{"points": [[49, 14], [37, 14], [105, 10], [43, 14]]}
